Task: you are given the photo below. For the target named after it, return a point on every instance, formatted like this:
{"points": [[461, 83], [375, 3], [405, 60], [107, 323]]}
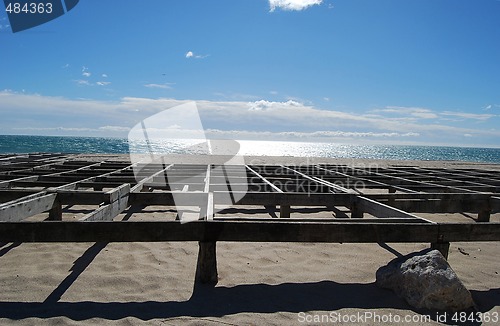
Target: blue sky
{"points": [[350, 71]]}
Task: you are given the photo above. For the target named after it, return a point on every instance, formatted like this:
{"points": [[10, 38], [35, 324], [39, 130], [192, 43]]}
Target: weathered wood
{"points": [[284, 211], [109, 211], [8, 183], [450, 232], [55, 213], [442, 247], [206, 267], [138, 187], [167, 198], [245, 231], [270, 184], [381, 210], [20, 210], [280, 198]]}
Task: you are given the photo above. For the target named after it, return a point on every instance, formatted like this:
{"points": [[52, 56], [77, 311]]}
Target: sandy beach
{"points": [[259, 283]]}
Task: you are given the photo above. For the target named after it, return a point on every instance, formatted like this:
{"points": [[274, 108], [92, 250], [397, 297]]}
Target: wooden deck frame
{"points": [[68, 181]]}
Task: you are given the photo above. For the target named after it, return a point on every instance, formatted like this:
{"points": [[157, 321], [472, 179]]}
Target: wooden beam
{"points": [[381, 210], [20, 210], [244, 231], [109, 211], [450, 232], [167, 198], [270, 184], [138, 187]]}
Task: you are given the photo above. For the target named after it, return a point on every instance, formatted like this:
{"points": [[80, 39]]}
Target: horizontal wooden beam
{"points": [[380, 210], [167, 198], [20, 210], [449, 232], [119, 202], [292, 199], [243, 231]]}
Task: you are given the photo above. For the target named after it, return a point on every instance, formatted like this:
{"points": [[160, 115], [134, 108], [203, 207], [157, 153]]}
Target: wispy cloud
{"points": [[261, 119], [82, 82], [103, 83], [420, 113], [191, 55], [85, 72], [162, 86], [473, 116], [292, 4]]}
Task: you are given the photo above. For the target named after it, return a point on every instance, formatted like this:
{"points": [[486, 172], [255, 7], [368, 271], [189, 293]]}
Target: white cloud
{"points": [[190, 55], [85, 72], [415, 112], [269, 119], [104, 76], [103, 83], [82, 82], [473, 116], [292, 4], [162, 86]]}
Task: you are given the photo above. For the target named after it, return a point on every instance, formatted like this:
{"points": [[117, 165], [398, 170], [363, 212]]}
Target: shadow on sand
{"points": [[209, 301]]}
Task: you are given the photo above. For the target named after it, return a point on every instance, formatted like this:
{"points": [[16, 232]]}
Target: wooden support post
{"points": [[284, 211], [391, 198], [442, 247], [356, 211], [55, 213], [483, 216], [206, 268]]}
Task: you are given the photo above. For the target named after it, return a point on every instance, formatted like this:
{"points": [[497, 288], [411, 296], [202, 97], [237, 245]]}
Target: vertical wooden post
{"points": [[55, 213], [284, 211], [483, 216], [442, 247], [356, 211], [206, 268], [391, 199]]}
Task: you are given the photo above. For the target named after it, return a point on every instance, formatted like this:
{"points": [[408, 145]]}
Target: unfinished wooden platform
{"points": [[60, 198]]}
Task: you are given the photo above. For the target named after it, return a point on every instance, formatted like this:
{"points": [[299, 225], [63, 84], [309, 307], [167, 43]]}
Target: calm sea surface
{"points": [[29, 144]]}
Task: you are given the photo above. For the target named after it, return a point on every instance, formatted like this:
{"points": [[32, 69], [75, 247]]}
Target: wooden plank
{"points": [[294, 199], [469, 232], [15, 194], [326, 219], [270, 184], [81, 197], [141, 184], [167, 198], [247, 231], [20, 210], [111, 210], [8, 183], [381, 210]]}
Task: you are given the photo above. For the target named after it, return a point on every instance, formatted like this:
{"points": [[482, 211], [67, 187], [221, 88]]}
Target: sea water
{"points": [[53, 144]]}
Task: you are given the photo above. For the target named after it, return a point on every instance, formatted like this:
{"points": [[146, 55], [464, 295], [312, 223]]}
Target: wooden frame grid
{"points": [[351, 204]]}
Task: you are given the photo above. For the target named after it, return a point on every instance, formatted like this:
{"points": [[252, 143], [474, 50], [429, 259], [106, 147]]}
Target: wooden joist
{"points": [[22, 209], [246, 231]]}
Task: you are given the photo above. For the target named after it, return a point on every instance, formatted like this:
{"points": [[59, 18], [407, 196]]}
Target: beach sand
{"points": [[259, 283]]}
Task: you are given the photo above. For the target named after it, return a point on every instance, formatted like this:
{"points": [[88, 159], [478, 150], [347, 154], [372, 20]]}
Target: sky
{"points": [[424, 72]]}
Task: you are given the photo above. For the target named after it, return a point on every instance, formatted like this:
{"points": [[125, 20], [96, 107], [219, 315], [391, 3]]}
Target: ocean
{"points": [[51, 144]]}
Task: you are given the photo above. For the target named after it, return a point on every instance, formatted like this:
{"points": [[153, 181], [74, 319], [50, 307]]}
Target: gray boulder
{"points": [[425, 280]]}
